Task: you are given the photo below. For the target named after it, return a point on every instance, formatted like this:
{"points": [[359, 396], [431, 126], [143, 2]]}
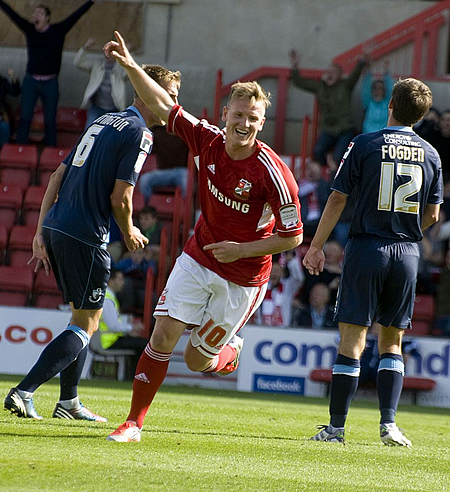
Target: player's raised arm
{"points": [[149, 91]]}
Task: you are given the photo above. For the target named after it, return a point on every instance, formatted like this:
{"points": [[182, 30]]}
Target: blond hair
{"points": [[251, 90]]}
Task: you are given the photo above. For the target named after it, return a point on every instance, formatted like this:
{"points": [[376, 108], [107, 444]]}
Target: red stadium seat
{"points": [[70, 119], [46, 293], [10, 204], [138, 202], [3, 242], [49, 160], [424, 308], [15, 286], [419, 328], [32, 204], [52, 157], [150, 164], [45, 283], [21, 238], [19, 156], [20, 247], [18, 177]]}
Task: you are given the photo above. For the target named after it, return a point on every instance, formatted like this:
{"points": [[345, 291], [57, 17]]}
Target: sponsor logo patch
{"points": [[146, 141], [140, 161], [289, 216], [212, 168]]}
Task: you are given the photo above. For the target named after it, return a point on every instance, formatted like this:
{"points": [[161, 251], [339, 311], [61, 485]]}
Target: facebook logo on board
{"points": [[278, 384]]}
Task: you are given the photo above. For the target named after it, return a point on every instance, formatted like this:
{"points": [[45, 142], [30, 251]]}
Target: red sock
{"points": [[224, 357], [150, 373]]}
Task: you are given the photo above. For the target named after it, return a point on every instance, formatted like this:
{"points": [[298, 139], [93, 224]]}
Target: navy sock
{"points": [[389, 385], [71, 375], [56, 356], [343, 388]]}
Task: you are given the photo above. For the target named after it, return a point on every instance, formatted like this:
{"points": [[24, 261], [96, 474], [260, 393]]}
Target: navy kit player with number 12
{"points": [[95, 180], [397, 178]]}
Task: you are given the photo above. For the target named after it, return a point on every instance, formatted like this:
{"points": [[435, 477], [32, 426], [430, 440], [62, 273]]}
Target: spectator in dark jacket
{"points": [[45, 43], [8, 87]]}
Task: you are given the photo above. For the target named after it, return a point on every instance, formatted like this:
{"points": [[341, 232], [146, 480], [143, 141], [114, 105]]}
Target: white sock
{"points": [[69, 404]]}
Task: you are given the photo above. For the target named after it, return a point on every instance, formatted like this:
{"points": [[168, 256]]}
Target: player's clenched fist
{"points": [[314, 260]]}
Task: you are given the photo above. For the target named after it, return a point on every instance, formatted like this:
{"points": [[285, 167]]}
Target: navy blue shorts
{"points": [[81, 271], [378, 282]]}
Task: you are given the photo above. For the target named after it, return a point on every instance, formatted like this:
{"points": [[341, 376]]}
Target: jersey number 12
{"points": [[403, 192]]}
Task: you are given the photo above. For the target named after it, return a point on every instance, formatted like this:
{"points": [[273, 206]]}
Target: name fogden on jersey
{"points": [[242, 190]]}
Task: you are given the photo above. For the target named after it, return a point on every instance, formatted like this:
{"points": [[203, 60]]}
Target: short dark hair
{"points": [[147, 210], [161, 74], [44, 8], [411, 101]]}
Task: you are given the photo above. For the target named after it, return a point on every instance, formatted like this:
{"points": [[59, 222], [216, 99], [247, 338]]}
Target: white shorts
{"points": [[216, 308]]}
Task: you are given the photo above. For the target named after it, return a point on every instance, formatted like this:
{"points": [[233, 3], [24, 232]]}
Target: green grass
{"points": [[202, 440]]}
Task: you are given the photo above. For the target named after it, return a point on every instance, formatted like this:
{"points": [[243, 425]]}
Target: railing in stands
{"points": [[422, 30], [148, 303], [419, 30]]}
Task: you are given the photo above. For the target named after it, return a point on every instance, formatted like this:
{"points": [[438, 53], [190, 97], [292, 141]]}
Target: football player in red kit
{"points": [[220, 278]]}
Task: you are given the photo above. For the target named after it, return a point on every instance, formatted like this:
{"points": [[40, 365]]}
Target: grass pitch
{"points": [[203, 440]]}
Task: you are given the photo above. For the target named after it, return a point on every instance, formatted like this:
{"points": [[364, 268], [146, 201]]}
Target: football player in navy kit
{"points": [[96, 179], [397, 176]]}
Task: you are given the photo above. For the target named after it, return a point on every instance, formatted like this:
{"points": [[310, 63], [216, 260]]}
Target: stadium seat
{"points": [[45, 292], [419, 328], [138, 202], [70, 125], [10, 204], [49, 160], [424, 308], [19, 156], [18, 164], [3, 243], [69, 119], [150, 164], [15, 286], [18, 177], [20, 247], [32, 204]]}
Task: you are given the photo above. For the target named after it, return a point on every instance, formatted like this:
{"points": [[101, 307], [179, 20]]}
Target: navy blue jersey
{"points": [[395, 173], [113, 148]]}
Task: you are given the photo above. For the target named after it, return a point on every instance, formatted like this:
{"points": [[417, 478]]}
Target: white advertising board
{"points": [[24, 332], [279, 361]]}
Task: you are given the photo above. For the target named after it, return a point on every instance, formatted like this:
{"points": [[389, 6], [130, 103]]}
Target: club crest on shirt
{"points": [[242, 190], [96, 295]]}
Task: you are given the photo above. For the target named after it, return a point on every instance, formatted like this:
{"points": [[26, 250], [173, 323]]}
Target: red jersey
{"points": [[240, 200]]}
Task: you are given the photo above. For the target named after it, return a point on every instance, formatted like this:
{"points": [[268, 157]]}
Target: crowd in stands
{"points": [[294, 297]]}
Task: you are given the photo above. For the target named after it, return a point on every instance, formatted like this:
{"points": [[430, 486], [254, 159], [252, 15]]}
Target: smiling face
{"points": [[243, 118]]}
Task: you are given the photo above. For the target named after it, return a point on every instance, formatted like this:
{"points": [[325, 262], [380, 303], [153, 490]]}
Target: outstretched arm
{"points": [[149, 91], [74, 17], [20, 22]]}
